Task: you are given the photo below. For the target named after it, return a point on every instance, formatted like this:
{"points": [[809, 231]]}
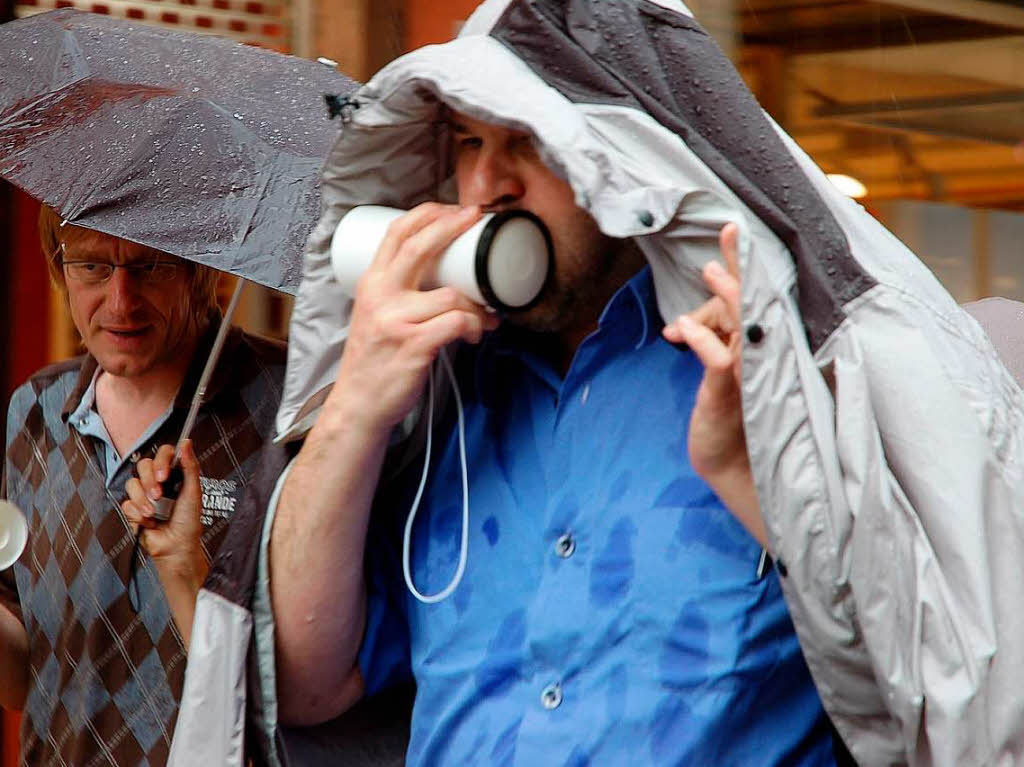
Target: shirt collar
{"points": [[87, 398], [633, 307], [83, 386], [635, 303]]}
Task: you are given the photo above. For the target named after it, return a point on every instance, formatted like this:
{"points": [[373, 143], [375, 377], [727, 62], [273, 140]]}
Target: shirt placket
{"points": [[562, 628]]}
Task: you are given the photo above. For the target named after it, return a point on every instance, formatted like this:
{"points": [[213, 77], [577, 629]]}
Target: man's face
{"points": [[131, 323], [498, 168]]}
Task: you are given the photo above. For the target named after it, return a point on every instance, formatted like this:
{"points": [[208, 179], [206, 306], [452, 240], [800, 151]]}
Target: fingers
{"points": [[402, 228], [145, 488], [163, 461], [436, 333], [136, 522], [716, 315], [191, 488], [137, 508], [713, 351], [724, 283], [421, 249], [725, 287], [728, 240], [413, 241], [721, 313], [424, 321], [419, 306]]}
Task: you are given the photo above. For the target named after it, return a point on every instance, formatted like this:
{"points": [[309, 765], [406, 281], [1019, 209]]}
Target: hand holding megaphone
{"points": [[13, 534], [503, 261]]}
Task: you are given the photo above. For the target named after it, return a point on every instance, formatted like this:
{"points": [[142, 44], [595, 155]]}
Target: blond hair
{"points": [[54, 233]]}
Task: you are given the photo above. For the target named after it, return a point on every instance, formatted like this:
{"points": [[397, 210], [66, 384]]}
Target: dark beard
{"points": [[574, 302]]}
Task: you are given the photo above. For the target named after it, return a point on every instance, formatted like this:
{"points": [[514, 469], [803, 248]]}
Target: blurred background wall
{"points": [[918, 104]]}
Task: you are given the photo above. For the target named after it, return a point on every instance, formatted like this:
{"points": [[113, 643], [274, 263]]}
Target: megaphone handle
{"points": [[171, 488]]}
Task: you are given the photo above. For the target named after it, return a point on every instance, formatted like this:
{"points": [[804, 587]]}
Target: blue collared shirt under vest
{"points": [[611, 612]]}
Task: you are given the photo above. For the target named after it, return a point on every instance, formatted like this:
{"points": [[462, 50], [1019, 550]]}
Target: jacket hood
{"points": [[631, 102]]}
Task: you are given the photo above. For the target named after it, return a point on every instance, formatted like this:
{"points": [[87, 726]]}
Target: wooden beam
{"points": [[361, 35], [975, 10]]}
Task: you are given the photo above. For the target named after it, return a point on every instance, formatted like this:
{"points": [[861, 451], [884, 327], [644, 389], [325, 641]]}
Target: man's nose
{"points": [[122, 291], [492, 182]]}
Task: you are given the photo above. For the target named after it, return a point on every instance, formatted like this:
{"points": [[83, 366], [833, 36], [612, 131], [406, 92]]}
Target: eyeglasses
{"points": [[95, 272]]}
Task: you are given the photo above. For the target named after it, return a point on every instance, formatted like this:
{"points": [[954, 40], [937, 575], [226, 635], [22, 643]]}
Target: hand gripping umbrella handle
{"points": [[171, 486], [171, 489]]}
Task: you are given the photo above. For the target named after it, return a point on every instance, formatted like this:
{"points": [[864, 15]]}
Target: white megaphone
{"points": [[503, 261], [13, 534]]}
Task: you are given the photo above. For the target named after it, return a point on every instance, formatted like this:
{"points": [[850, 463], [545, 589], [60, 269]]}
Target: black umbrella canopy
{"points": [[192, 144]]}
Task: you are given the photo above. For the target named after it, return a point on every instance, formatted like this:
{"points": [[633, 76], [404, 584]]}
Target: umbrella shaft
{"points": [[211, 364]]}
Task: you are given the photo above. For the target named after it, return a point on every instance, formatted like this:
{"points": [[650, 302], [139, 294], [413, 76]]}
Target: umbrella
{"points": [[195, 145]]}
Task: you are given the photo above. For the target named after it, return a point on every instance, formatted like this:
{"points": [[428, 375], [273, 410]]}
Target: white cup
{"points": [[13, 534], [503, 261]]}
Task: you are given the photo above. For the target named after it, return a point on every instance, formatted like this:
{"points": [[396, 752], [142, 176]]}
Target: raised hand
{"points": [[716, 440], [178, 539], [317, 544], [175, 546], [397, 329]]}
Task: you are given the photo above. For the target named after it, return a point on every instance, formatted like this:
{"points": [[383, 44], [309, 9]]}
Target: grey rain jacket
{"points": [[883, 431]]}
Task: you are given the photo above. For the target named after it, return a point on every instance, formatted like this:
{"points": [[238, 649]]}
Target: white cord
{"points": [[406, 538]]}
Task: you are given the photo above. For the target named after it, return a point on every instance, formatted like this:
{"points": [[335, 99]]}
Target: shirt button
{"points": [[565, 545], [136, 456], [585, 394], [551, 696]]}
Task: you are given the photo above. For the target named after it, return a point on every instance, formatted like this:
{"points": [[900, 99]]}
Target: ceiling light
{"points": [[848, 185]]}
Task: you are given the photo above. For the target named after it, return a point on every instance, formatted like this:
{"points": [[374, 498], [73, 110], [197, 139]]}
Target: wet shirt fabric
{"points": [[611, 610], [105, 681]]}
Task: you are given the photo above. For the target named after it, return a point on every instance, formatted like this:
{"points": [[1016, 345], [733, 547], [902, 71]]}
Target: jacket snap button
{"points": [[755, 334], [646, 217]]}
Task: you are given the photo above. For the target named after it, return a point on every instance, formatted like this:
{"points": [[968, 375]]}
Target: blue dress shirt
{"points": [[611, 611]]}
